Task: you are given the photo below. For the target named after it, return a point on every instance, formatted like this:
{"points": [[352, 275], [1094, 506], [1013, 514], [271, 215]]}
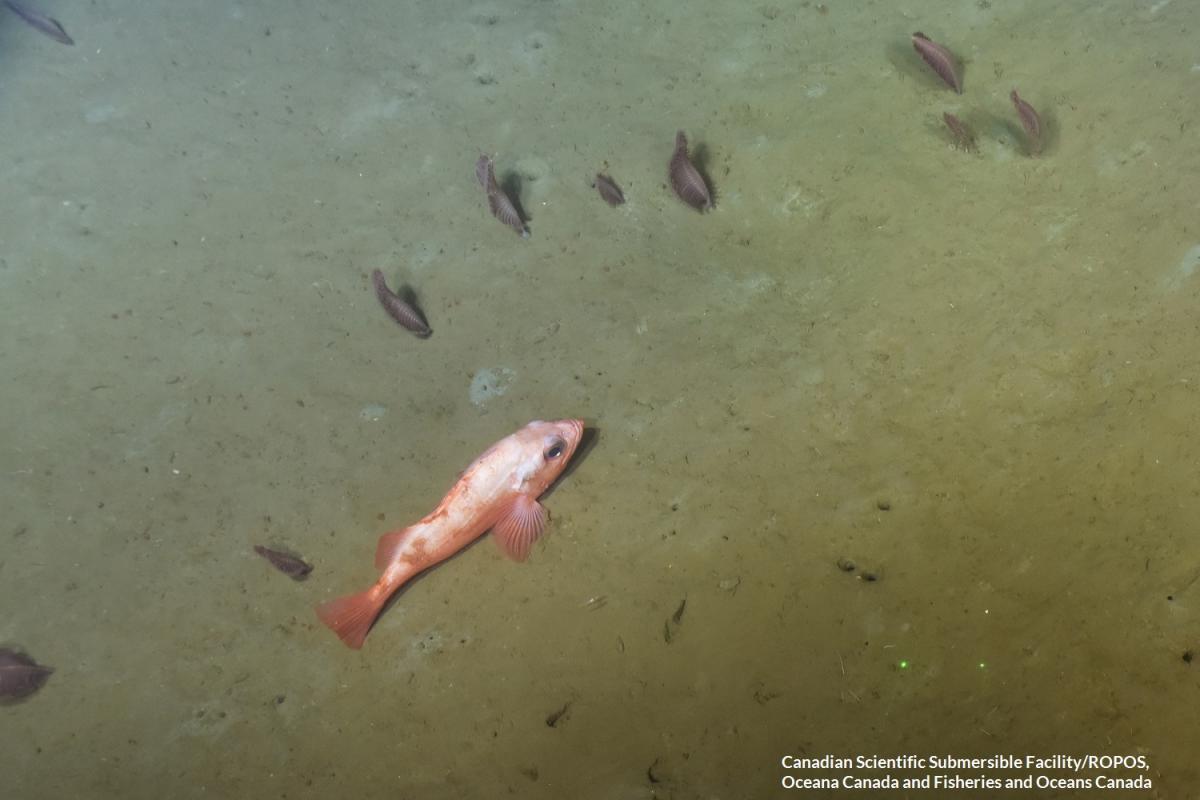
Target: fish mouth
{"points": [[573, 432], [578, 438], [582, 439]]}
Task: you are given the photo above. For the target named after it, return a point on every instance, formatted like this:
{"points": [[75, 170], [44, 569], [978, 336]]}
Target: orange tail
{"points": [[351, 617]]}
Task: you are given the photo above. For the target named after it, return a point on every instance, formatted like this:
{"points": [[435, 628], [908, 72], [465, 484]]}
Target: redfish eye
{"points": [[554, 451]]}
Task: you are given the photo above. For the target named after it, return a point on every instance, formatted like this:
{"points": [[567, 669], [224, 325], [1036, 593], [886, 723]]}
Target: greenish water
{"points": [[973, 375]]}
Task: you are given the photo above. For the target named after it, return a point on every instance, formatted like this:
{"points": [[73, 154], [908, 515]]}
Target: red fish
{"points": [[499, 492]]}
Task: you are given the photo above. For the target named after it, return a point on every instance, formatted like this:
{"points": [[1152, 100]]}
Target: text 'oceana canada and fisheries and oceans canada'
{"points": [[999, 771]]}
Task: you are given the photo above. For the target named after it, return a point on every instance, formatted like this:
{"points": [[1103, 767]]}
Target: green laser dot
{"points": [[904, 664]]}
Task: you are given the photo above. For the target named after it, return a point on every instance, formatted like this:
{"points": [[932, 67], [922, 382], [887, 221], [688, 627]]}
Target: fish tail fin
{"points": [[351, 617]]}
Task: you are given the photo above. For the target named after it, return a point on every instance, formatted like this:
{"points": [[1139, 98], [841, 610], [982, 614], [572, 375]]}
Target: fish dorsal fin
{"points": [[519, 526]]}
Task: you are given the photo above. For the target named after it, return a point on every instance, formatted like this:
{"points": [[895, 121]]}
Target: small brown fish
{"points": [[485, 173], [500, 204], [1030, 121], [398, 308], [555, 717], [608, 189], [294, 567], [677, 617], [20, 675], [685, 179], [40, 22], [939, 59], [964, 139]]}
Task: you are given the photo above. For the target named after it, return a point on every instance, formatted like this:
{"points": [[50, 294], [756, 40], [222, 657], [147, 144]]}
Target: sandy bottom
{"points": [[913, 431]]}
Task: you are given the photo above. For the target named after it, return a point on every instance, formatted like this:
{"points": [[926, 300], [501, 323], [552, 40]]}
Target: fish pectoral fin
{"points": [[519, 526]]}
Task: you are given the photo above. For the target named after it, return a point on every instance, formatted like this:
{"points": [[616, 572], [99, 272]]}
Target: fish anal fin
{"points": [[390, 544]]}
